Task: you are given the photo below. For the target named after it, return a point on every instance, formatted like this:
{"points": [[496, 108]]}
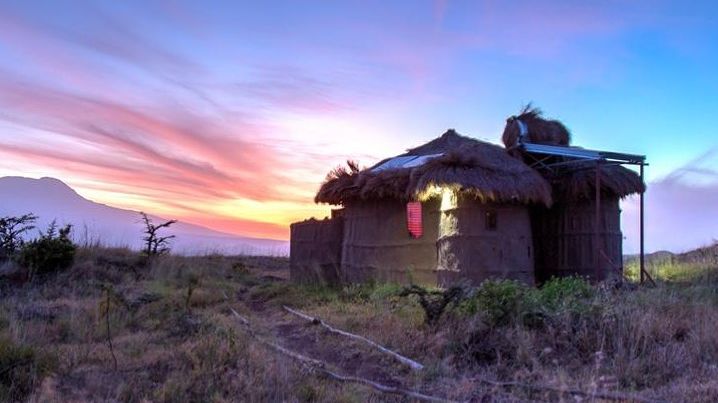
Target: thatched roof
{"points": [[539, 129], [578, 181], [573, 181], [463, 164]]}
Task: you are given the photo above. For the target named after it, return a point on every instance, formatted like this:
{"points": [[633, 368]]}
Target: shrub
{"points": [[503, 302], [53, 251], [565, 293], [499, 302]]}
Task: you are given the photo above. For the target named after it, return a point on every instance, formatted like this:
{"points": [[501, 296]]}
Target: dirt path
{"points": [[345, 355]]}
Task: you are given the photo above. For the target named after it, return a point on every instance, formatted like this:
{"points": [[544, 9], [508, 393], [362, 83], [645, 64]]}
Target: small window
{"points": [[491, 220]]}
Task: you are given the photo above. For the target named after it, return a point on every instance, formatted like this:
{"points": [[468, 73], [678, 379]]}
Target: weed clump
{"points": [[21, 370]]}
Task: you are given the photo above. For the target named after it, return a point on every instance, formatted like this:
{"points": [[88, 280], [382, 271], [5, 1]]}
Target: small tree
{"points": [[11, 230], [154, 243]]}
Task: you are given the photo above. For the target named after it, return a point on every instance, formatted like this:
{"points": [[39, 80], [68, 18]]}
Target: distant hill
{"points": [[50, 199], [703, 255]]}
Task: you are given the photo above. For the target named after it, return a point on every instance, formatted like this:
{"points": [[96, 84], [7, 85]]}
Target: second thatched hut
{"points": [[580, 234]]}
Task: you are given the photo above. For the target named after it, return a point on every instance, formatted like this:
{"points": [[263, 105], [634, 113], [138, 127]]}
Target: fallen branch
{"points": [[620, 397], [321, 367], [239, 317], [407, 361]]}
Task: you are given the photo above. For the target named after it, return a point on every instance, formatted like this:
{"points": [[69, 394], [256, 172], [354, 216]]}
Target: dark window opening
{"points": [[491, 220]]}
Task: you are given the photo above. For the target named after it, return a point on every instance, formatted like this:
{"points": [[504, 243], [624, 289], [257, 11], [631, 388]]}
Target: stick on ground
{"points": [[404, 360], [322, 367]]}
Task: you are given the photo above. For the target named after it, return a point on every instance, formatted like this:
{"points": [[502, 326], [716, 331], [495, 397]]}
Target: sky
{"points": [[229, 114]]}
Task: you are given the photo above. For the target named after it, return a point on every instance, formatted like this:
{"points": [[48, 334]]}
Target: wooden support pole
{"points": [[597, 229], [642, 263]]}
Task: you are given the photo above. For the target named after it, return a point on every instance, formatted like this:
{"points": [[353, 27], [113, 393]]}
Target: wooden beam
{"points": [[597, 224]]}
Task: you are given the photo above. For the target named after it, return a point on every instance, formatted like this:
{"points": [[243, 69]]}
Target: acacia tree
{"points": [[11, 230], [154, 243]]}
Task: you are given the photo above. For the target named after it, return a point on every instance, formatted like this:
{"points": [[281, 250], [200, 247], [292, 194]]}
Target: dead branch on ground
{"points": [[322, 367], [404, 360]]}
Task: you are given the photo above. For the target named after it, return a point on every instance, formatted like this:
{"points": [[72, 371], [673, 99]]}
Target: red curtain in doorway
{"points": [[413, 219]]}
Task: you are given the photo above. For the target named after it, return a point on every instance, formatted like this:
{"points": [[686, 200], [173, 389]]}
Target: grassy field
{"points": [[176, 336]]}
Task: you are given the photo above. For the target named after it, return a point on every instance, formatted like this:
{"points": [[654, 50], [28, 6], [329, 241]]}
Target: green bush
{"points": [[565, 293], [53, 251], [498, 301], [504, 302], [21, 370]]}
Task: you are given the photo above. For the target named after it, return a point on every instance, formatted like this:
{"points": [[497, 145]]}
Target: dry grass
{"points": [[659, 343]]}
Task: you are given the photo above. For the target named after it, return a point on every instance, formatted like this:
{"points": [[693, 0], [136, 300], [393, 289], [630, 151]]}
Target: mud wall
{"points": [[315, 251]]}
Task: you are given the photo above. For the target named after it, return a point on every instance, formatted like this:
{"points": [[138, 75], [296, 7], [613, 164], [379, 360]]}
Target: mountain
{"points": [[51, 199]]}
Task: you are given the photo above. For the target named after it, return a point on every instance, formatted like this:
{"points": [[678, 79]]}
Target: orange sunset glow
{"points": [[230, 117]]}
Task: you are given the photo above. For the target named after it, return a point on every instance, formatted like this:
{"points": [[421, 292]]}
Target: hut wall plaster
{"points": [[377, 245], [316, 250], [481, 240]]}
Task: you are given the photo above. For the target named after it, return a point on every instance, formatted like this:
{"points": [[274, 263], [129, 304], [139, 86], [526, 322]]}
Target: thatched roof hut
{"points": [[472, 193], [581, 233], [578, 182], [452, 161]]}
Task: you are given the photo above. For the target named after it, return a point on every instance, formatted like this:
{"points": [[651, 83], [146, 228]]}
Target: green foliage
{"points": [[504, 302], [385, 291], [21, 370], [565, 293], [11, 230], [675, 270], [497, 301], [53, 251]]}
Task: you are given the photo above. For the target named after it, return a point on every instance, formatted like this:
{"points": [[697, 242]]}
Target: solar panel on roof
{"points": [[407, 161], [421, 160], [582, 153], [394, 163]]}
